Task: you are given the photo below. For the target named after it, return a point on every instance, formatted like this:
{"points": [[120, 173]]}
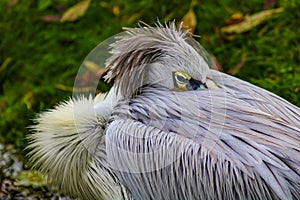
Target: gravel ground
{"points": [[17, 182]]}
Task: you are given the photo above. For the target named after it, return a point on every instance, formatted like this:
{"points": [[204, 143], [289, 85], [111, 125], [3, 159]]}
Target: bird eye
{"points": [[180, 78]]}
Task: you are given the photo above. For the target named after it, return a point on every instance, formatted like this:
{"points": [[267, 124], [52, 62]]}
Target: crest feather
{"points": [[138, 47]]}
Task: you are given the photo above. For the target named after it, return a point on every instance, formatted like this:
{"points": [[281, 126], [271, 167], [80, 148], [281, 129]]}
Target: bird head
{"points": [[150, 56]]}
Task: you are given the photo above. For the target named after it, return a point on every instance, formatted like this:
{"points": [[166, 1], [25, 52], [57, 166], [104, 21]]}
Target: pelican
{"points": [[170, 128]]}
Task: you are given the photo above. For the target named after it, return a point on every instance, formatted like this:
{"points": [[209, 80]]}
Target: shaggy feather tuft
{"points": [[63, 146]]}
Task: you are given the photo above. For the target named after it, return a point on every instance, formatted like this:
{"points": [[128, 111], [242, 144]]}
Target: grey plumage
{"points": [[146, 141], [250, 153]]}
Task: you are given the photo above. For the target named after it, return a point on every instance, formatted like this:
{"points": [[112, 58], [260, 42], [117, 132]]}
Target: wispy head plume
{"points": [[170, 46]]}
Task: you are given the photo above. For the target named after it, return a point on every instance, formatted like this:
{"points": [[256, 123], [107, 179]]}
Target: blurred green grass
{"points": [[35, 54]]}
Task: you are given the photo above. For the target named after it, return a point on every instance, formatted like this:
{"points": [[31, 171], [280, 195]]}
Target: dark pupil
{"points": [[181, 78]]}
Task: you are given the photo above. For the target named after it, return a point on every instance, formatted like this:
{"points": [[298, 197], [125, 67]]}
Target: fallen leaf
{"points": [[104, 4], [76, 11], [87, 81], [5, 64], [64, 87], [91, 66], [28, 99], [250, 21], [189, 19], [116, 10], [95, 69], [235, 19]]}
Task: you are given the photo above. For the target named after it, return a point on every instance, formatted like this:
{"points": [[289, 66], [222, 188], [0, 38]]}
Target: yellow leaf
{"points": [[93, 67], [76, 11], [189, 19], [104, 4], [28, 99], [116, 10], [250, 21], [64, 87], [237, 16], [5, 64]]}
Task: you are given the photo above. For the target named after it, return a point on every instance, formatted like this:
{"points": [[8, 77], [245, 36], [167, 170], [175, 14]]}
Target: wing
{"points": [[259, 98], [207, 144]]}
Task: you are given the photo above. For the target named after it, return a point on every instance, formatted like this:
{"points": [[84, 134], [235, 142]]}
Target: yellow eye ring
{"points": [[181, 77]]}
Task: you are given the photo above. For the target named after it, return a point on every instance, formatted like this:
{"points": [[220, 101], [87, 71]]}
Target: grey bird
{"points": [[170, 128]]}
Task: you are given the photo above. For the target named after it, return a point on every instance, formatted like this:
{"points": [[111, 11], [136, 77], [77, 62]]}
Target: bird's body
{"points": [[199, 149], [147, 141]]}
